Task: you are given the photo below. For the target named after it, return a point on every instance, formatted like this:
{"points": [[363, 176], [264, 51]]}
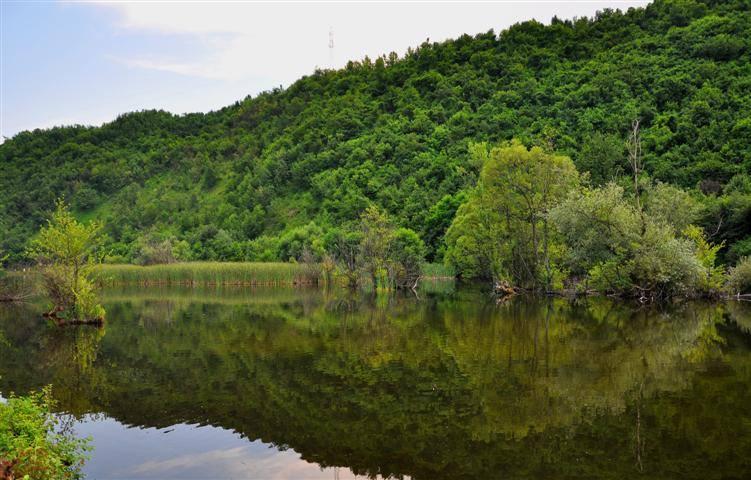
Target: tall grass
{"points": [[207, 273], [437, 270]]}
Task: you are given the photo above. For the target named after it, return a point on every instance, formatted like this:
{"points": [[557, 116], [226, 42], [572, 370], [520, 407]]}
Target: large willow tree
{"points": [[502, 232]]}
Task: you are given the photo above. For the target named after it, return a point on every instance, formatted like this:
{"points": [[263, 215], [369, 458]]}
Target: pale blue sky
{"points": [[86, 62]]}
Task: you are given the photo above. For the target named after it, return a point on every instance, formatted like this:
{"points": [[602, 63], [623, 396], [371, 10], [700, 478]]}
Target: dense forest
{"points": [[258, 179]]}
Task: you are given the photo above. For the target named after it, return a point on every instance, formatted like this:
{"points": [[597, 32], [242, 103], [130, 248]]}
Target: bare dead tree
{"points": [[635, 156], [636, 161]]}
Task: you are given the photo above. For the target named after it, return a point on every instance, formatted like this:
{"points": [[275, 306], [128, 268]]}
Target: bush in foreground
{"points": [[32, 444]]}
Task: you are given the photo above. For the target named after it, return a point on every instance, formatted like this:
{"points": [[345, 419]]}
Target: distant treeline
{"points": [[265, 178]]}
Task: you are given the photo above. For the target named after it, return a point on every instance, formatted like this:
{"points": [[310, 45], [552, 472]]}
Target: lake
{"points": [[304, 383]]}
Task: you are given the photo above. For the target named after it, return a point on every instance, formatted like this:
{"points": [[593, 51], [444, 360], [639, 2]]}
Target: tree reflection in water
{"points": [[448, 386]]}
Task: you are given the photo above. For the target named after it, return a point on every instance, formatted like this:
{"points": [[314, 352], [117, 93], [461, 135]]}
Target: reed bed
{"points": [[207, 273], [437, 271]]}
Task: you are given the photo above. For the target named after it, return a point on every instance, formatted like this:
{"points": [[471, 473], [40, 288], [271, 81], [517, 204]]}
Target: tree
{"points": [[516, 189], [596, 224], [151, 249], [473, 246], [603, 156], [344, 247], [294, 243], [375, 243], [618, 248], [438, 220], [712, 277], [636, 161], [407, 254], [67, 252], [674, 206]]}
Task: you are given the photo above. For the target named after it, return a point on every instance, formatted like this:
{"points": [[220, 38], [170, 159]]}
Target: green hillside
{"points": [[251, 181]]}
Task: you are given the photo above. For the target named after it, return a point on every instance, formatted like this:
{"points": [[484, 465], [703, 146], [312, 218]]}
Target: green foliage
{"points": [[151, 250], [407, 257], [712, 277], [438, 220], [596, 225], [661, 264], [32, 441], [375, 243], [344, 247], [617, 248], [739, 277], [393, 132], [67, 252], [728, 217], [671, 205], [66, 241], [294, 243], [603, 156], [389, 257], [503, 232]]}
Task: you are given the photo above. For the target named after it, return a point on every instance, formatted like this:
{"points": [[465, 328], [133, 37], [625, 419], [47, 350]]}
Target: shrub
{"points": [[739, 277], [712, 276], [407, 254], [154, 253], [32, 442], [624, 250], [67, 252]]}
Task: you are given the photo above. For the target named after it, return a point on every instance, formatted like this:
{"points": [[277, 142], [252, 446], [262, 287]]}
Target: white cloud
{"points": [[237, 462], [91, 68], [283, 41]]}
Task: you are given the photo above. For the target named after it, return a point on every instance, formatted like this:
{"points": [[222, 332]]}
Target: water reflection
{"points": [[448, 386], [190, 451]]}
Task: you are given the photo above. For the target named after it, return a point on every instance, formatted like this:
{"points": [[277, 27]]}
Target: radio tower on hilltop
{"points": [[331, 47]]}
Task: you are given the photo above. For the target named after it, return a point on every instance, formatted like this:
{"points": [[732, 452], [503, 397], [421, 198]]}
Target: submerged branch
{"points": [[61, 322]]}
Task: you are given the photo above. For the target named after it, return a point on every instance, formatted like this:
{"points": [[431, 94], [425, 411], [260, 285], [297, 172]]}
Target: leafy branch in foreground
{"points": [[33, 443]]}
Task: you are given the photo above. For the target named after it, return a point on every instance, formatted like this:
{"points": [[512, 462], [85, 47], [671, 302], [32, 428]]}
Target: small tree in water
{"points": [[406, 259], [66, 250], [375, 244]]}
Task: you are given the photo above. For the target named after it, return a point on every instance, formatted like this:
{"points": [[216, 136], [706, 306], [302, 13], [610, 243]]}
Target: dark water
{"points": [[186, 383]]}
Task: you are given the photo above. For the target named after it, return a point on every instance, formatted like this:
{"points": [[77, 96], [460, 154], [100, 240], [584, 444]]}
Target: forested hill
{"points": [[254, 179]]}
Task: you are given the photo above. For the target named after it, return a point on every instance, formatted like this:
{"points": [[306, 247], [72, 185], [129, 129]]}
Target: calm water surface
{"points": [[285, 383]]}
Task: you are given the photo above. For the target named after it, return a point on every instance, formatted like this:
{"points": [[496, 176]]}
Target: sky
{"points": [[85, 62]]}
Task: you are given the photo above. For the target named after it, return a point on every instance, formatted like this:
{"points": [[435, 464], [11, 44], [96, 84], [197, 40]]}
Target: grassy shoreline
{"points": [[206, 273], [226, 273]]}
